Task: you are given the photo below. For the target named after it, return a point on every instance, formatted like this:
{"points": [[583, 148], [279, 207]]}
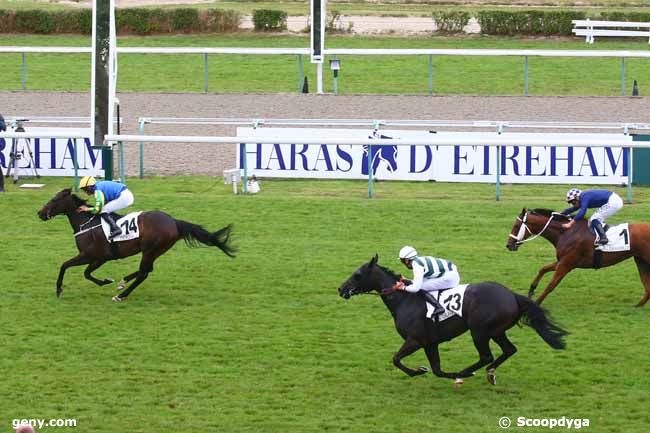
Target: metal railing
{"points": [[300, 52]]}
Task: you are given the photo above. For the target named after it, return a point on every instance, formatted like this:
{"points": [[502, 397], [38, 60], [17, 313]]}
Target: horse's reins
{"points": [[523, 228], [82, 231]]}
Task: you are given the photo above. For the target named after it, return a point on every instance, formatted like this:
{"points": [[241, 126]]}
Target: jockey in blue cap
{"points": [[430, 274], [607, 202], [109, 197]]}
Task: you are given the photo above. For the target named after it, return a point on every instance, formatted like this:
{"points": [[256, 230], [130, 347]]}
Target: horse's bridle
{"points": [[523, 228]]}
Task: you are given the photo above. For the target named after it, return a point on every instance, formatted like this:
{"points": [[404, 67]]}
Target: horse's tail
{"points": [[539, 319], [193, 233]]}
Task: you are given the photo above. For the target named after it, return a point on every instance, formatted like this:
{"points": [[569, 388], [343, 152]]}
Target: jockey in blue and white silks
{"points": [[607, 202], [430, 274], [109, 197]]}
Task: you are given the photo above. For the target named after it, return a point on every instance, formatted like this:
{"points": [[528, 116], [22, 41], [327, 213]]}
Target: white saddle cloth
{"points": [[451, 300], [129, 226], [619, 239]]}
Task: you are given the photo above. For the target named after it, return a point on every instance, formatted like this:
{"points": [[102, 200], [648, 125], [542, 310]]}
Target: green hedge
{"points": [[269, 20], [451, 21], [220, 20], [141, 21], [34, 21], [528, 22]]}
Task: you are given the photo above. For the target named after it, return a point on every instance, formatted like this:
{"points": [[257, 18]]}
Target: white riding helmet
{"points": [[407, 253], [573, 194]]}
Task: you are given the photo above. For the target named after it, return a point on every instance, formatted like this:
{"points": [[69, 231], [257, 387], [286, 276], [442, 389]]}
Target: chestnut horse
{"points": [[158, 233], [574, 248]]}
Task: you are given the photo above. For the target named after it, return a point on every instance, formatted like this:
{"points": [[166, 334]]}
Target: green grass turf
{"points": [[359, 74], [263, 343]]}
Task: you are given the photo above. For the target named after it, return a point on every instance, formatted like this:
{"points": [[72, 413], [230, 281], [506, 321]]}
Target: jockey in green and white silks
{"points": [[430, 274]]}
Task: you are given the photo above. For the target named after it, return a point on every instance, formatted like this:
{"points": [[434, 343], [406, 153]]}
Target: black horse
{"points": [[158, 233], [488, 311]]}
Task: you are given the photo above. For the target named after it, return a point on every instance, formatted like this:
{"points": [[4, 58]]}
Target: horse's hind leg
{"points": [[122, 283], [93, 266], [644, 273], [546, 268], [508, 349], [146, 266], [408, 348], [482, 344]]}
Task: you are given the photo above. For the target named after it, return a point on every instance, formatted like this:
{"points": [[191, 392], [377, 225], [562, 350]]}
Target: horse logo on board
{"points": [[378, 154]]}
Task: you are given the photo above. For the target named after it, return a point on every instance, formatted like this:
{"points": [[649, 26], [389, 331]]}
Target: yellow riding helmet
{"points": [[87, 181]]}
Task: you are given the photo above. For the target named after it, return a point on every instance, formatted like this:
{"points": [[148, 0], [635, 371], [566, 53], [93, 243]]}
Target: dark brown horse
{"points": [[488, 311], [158, 233], [574, 248]]}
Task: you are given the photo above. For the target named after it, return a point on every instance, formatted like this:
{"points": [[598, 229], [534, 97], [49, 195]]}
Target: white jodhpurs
{"points": [[124, 200], [613, 205], [447, 281]]}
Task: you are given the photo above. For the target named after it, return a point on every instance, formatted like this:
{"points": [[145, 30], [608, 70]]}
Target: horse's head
{"points": [[370, 276], [519, 231], [61, 203], [532, 223]]}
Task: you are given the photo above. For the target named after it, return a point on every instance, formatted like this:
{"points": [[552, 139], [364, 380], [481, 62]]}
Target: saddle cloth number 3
{"points": [[453, 302]]}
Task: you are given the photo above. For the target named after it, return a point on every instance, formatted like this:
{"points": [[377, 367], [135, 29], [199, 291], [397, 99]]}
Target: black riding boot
{"points": [[437, 308], [602, 237], [115, 230]]}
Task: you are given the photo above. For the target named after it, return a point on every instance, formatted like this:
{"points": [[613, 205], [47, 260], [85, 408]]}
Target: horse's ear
{"points": [[375, 259], [523, 210]]}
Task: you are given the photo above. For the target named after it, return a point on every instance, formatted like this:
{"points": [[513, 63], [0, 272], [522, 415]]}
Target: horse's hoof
{"points": [[117, 298], [492, 376], [121, 285], [458, 383], [58, 293], [423, 369]]}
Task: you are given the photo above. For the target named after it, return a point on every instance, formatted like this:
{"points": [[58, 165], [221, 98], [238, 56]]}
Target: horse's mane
{"points": [[548, 213], [78, 201], [389, 272]]}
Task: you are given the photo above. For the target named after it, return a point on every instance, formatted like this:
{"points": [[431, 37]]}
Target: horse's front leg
{"points": [[560, 271], [434, 360], [92, 267], [75, 261], [409, 346], [538, 278]]}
